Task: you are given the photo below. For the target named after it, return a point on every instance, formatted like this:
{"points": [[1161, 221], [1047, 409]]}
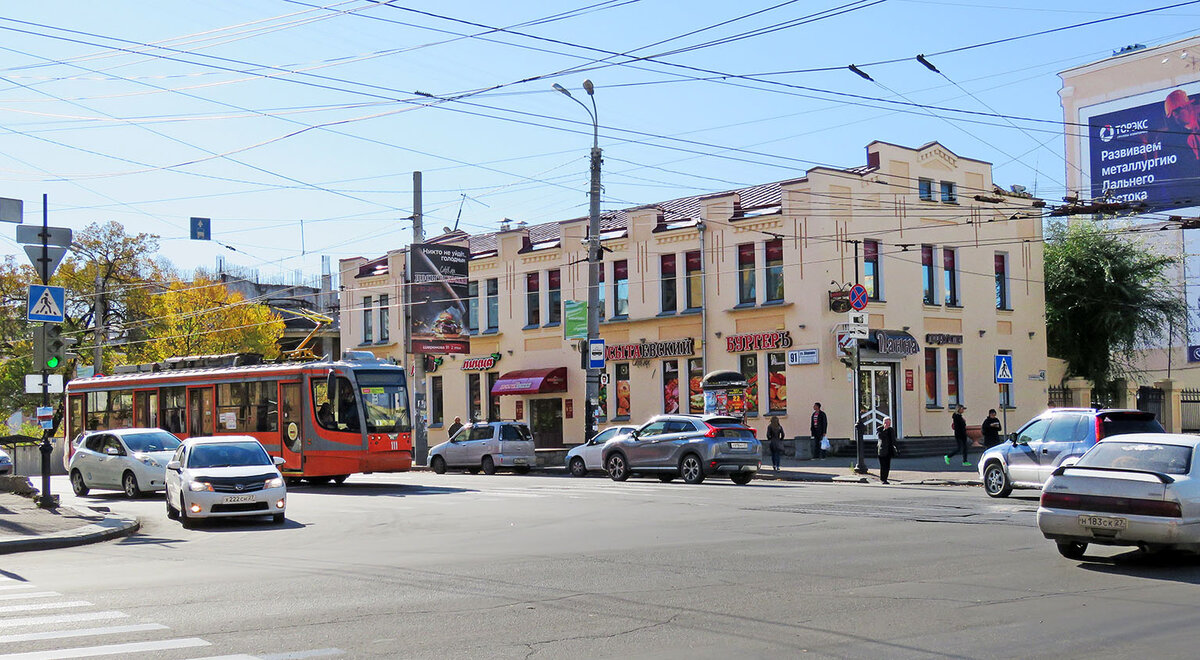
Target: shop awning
{"points": [[532, 381]]}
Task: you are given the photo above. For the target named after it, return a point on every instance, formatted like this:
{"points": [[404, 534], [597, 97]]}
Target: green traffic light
{"points": [[52, 363]]}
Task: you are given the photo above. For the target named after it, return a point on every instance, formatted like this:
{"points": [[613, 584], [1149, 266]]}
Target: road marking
{"points": [[60, 618], [109, 649], [299, 655], [238, 656], [23, 585], [34, 594], [80, 632], [44, 606]]}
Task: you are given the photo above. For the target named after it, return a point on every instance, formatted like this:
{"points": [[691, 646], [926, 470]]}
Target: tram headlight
{"points": [[200, 485]]}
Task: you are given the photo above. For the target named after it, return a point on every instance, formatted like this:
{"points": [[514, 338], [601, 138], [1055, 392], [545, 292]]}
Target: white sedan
{"points": [[1139, 490], [588, 456], [220, 477]]}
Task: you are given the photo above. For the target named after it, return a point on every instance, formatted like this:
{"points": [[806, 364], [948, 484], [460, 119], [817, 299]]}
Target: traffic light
{"points": [[55, 346]]}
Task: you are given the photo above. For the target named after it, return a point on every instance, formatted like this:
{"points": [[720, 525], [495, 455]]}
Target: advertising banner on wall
{"points": [[437, 306], [575, 318], [1145, 149]]}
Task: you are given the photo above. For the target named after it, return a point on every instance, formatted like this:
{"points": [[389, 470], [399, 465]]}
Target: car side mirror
{"points": [[278, 460], [113, 451], [173, 465]]}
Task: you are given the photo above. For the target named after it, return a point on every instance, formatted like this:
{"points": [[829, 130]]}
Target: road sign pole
{"points": [[860, 463]]}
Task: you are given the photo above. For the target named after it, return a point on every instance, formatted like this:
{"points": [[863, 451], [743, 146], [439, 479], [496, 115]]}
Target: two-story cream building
{"points": [[743, 280]]}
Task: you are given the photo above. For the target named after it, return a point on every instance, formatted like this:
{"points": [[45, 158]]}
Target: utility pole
{"points": [[420, 438], [47, 500], [101, 311]]}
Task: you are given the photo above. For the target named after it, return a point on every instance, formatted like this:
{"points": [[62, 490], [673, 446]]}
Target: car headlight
{"points": [[274, 482], [199, 485], [147, 460]]}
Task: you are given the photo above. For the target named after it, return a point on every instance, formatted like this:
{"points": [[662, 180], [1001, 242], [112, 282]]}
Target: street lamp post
{"points": [[593, 248]]}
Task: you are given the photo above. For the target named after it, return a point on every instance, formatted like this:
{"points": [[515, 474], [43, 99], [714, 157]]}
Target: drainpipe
{"points": [[700, 226]]}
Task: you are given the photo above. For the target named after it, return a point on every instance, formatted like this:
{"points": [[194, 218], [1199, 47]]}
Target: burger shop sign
{"points": [[758, 341], [648, 350], [481, 364]]}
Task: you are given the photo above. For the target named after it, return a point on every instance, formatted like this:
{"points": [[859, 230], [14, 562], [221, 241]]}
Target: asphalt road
{"points": [[473, 566]]}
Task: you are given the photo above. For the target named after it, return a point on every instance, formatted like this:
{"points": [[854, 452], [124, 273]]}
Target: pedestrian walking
{"points": [[959, 424], [991, 430], [775, 441], [454, 427], [819, 428], [887, 448]]}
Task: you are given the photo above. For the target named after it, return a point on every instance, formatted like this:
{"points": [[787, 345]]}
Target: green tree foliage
{"points": [[202, 317], [1108, 295]]}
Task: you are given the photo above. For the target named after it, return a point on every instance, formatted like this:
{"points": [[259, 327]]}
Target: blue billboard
{"points": [[1148, 154]]}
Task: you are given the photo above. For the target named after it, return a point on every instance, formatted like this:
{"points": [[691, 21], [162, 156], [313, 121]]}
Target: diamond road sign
{"points": [[46, 303]]}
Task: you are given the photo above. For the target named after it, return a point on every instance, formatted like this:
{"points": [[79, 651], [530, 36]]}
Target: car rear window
{"points": [[734, 432], [1129, 422], [1167, 459], [514, 432]]}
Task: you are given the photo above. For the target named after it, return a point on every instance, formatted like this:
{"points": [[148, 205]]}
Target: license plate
{"points": [[1102, 522], [519, 461], [749, 468], [234, 499], [739, 445]]}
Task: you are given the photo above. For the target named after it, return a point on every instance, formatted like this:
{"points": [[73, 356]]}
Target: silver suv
{"points": [[486, 446], [1034, 452], [687, 446]]}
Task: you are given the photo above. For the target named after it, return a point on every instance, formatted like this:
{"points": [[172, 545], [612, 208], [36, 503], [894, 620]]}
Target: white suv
{"points": [[132, 460], [486, 446]]}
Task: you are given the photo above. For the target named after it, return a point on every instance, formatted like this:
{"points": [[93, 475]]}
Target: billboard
{"points": [[437, 307], [1148, 152]]}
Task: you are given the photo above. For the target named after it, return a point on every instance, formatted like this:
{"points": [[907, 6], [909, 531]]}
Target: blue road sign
{"points": [[596, 354], [46, 303], [201, 229], [858, 297], [1004, 370]]}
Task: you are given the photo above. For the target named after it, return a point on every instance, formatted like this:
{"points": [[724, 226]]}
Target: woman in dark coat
{"points": [[775, 441], [887, 448]]}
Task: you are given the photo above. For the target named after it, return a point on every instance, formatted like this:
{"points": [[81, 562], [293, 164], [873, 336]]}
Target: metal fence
{"points": [[1056, 397], [1189, 408], [1150, 399]]}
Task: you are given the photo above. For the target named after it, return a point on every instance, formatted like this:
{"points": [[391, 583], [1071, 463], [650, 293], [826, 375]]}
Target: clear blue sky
{"points": [[263, 113]]}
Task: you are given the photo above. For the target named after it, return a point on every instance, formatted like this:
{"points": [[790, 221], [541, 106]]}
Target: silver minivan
{"points": [[486, 446]]}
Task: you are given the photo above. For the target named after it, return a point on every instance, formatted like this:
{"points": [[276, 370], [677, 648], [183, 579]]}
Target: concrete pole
{"points": [[420, 437]]}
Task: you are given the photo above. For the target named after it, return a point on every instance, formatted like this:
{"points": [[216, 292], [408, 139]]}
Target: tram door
{"points": [[291, 425], [200, 411]]}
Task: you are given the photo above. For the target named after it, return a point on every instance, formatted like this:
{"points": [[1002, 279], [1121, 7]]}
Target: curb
{"points": [[111, 527], [769, 475]]}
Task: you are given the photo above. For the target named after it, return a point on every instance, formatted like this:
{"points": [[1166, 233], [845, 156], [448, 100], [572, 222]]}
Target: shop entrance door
{"points": [[546, 422], [876, 391]]}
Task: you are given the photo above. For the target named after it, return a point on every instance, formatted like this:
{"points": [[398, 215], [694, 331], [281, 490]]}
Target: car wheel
{"points": [[278, 518], [666, 478], [438, 465], [521, 469], [187, 521], [995, 482], [691, 469], [578, 469], [617, 466], [129, 482], [341, 479], [172, 512], [77, 483], [741, 478], [1072, 549], [489, 465]]}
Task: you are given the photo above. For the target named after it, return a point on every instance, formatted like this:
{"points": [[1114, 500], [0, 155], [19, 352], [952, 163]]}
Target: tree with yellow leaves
{"points": [[202, 317]]}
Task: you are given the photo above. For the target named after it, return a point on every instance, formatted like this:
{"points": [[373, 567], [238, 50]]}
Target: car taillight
{"points": [[1105, 504], [713, 432], [1099, 429]]}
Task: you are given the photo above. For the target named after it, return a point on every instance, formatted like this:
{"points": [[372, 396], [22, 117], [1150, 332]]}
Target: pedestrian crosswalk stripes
{"points": [[21, 585], [38, 631]]}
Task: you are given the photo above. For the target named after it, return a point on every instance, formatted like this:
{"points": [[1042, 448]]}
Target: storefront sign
{"points": [[650, 350], [896, 342], [940, 339], [480, 364], [759, 341], [437, 304], [569, 408], [908, 380], [520, 409], [803, 356]]}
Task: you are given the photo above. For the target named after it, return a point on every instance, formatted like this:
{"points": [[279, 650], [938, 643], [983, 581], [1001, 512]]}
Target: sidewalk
{"points": [[926, 470], [24, 526]]}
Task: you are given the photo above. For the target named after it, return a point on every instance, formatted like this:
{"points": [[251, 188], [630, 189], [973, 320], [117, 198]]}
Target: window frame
{"points": [[668, 297], [693, 280], [747, 275], [492, 294], [621, 289], [553, 297], [533, 300], [928, 274], [872, 270], [384, 318], [473, 307], [773, 269], [925, 189], [933, 393], [1003, 291], [948, 192], [751, 381], [950, 275], [368, 334], [954, 394]]}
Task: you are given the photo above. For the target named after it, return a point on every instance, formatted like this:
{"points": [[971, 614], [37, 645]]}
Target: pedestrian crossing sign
{"points": [[46, 303], [1004, 369]]}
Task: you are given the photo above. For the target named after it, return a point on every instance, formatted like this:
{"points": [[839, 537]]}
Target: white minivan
{"points": [[486, 446]]}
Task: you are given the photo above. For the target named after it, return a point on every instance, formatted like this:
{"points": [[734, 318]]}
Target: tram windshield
{"points": [[385, 399]]}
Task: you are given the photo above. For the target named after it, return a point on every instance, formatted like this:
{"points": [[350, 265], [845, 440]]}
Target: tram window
{"points": [[341, 415], [250, 407], [174, 412], [97, 410]]}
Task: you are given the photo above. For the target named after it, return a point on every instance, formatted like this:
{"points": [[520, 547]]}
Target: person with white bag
{"points": [[819, 428]]}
